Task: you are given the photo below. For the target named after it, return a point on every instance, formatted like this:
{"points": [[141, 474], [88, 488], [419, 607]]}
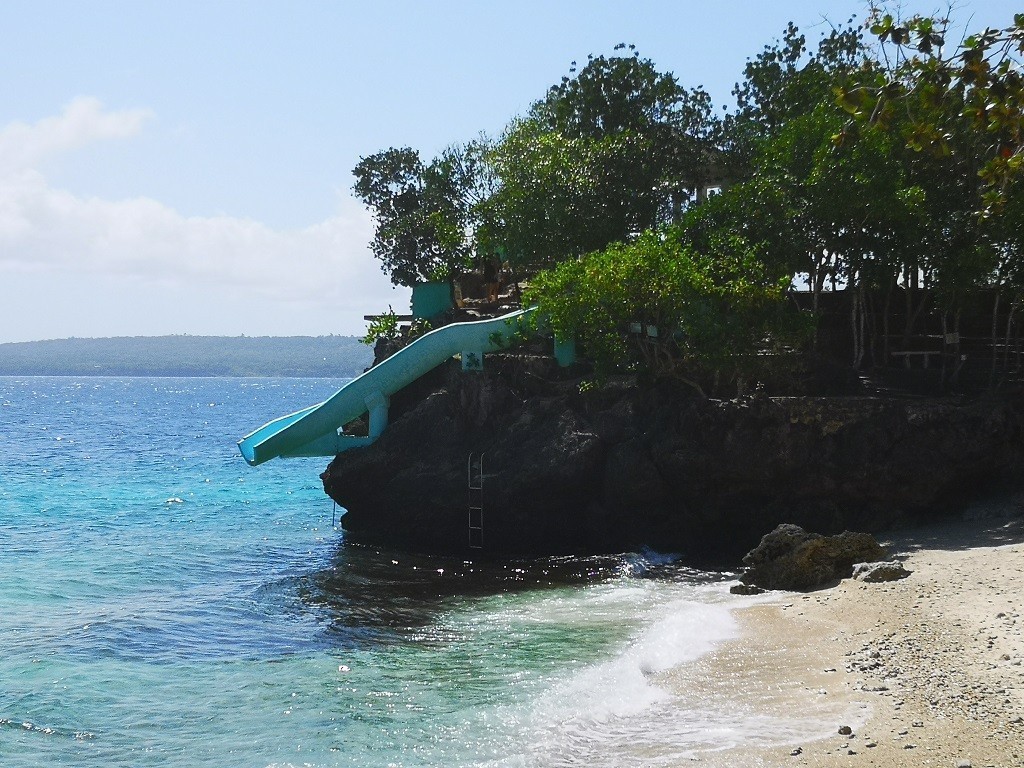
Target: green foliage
{"points": [[382, 327], [869, 168], [854, 207], [969, 102], [554, 198], [609, 152], [660, 306], [862, 191], [951, 121], [786, 81], [420, 210], [610, 96], [418, 327]]}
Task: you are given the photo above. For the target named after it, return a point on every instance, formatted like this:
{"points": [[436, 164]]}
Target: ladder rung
{"points": [[475, 483]]}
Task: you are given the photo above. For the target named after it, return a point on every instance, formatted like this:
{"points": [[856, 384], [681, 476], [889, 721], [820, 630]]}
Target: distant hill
{"points": [[325, 356]]}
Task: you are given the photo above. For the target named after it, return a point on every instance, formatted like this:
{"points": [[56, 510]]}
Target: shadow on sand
{"points": [[992, 523]]}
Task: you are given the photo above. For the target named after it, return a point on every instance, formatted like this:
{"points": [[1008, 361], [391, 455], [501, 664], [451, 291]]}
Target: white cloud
{"points": [[82, 122], [326, 265], [146, 238]]}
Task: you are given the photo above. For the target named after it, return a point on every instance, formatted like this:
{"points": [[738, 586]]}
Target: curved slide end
{"points": [[251, 443], [314, 431]]}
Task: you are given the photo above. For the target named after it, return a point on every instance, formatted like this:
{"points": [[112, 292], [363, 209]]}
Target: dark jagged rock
{"points": [[624, 466], [791, 558], [889, 570], [746, 589]]}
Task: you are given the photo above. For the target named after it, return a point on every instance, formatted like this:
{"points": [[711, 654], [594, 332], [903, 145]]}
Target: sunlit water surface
{"points": [[163, 604]]}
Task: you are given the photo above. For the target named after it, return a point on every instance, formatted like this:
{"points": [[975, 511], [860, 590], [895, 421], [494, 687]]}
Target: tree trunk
{"points": [[872, 327], [995, 341], [817, 284], [945, 329], [857, 325], [959, 358], [1006, 345], [912, 314], [885, 324], [863, 324]]}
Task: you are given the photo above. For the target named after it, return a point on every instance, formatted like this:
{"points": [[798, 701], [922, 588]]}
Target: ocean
{"points": [[164, 604]]}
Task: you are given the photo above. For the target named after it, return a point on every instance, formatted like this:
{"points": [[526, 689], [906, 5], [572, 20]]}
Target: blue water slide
{"points": [[315, 431]]}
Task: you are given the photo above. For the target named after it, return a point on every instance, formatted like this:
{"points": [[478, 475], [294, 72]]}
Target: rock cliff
{"points": [[626, 466]]}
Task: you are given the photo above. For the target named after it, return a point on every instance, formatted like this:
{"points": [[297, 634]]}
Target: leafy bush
{"points": [[658, 306], [383, 326]]}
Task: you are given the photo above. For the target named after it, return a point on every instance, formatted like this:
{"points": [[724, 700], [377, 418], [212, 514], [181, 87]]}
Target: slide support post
{"points": [[377, 407]]}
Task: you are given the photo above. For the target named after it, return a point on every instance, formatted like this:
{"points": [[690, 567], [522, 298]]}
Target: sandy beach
{"points": [[924, 671]]}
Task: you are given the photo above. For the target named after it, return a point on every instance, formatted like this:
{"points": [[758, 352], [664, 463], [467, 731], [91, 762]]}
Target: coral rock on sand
{"points": [[791, 558], [888, 570]]}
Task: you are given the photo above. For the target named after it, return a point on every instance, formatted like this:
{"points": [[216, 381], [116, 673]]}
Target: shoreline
{"points": [[928, 670]]}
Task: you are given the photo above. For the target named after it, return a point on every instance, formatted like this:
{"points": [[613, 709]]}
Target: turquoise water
{"points": [[163, 604]]}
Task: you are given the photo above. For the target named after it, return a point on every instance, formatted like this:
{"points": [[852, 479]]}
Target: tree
{"points": [[609, 152], [786, 81], [959, 112], [979, 86], [871, 211], [708, 318], [557, 195], [421, 211]]}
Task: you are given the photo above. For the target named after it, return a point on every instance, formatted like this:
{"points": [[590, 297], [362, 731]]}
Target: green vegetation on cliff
{"points": [[879, 163]]}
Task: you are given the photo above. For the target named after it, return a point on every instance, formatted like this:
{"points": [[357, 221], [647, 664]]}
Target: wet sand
{"points": [[926, 671]]}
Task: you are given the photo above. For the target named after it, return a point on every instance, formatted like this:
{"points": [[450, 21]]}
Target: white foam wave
{"points": [[631, 710], [625, 686]]}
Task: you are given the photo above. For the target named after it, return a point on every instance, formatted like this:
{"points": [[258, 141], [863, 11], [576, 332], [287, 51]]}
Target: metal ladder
{"points": [[475, 484]]}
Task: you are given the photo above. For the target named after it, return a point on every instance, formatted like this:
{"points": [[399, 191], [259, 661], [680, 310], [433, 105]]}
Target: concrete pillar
{"points": [[377, 408]]}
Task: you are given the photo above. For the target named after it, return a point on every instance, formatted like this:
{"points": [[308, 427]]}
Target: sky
{"points": [[185, 166]]}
